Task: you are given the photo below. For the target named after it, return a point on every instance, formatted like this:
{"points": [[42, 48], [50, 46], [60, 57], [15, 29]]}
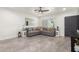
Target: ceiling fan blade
{"points": [[39, 9], [44, 10], [35, 10]]}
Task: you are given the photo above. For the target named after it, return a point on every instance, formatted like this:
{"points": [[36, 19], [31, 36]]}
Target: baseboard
{"points": [[5, 38]]}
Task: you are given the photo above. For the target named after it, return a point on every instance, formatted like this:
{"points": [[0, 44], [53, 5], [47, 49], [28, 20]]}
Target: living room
{"points": [[35, 28]]}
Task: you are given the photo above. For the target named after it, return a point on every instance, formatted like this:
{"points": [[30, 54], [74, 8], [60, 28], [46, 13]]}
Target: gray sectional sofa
{"points": [[41, 31]]}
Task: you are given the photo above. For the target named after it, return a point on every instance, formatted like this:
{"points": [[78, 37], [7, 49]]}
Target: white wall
{"points": [[59, 20], [33, 20], [10, 23]]}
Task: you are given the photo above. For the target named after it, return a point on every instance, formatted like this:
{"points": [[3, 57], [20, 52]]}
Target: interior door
{"points": [[67, 26], [71, 26]]}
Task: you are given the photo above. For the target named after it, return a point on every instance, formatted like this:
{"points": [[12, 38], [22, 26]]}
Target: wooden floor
{"points": [[36, 44]]}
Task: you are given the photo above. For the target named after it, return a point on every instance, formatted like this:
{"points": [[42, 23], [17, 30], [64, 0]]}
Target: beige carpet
{"points": [[36, 44]]}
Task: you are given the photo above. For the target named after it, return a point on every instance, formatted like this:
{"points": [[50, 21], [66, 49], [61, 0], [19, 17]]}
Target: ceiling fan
{"points": [[41, 10]]}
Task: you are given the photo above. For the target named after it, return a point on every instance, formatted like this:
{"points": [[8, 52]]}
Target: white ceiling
{"points": [[54, 10]]}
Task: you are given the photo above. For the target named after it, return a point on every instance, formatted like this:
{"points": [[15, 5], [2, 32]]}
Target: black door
{"points": [[67, 26], [78, 22], [71, 26]]}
